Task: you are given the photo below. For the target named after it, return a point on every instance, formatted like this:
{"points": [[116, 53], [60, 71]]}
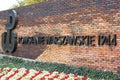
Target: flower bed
{"points": [[22, 63], [25, 74]]}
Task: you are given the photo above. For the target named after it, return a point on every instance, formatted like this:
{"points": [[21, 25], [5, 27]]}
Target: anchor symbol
{"points": [[9, 38]]}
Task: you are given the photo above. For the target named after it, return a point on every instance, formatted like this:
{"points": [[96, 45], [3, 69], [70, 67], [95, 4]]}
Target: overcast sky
{"points": [[6, 4]]}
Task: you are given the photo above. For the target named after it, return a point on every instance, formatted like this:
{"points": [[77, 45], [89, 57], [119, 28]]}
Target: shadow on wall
{"points": [[119, 71], [31, 51]]}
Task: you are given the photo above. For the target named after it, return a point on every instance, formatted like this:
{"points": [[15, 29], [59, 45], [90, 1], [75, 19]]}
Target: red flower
{"points": [[50, 79], [76, 78], [66, 76], [43, 78], [56, 76], [84, 78]]}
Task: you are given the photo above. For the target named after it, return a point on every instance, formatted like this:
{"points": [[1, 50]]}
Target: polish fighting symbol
{"points": [[9, 38]]}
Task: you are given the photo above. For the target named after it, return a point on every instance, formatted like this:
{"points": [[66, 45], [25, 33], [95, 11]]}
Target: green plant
{"points": [[13, 62]]}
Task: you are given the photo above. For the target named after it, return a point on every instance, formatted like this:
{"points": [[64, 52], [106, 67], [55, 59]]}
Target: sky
{"points": [[6, 4]]}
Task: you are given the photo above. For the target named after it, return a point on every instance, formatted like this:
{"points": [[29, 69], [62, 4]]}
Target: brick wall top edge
{"points": [[27, 14]]}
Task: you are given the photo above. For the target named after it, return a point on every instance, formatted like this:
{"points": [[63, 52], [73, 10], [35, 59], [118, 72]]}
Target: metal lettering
{"points": [[9, 38]]}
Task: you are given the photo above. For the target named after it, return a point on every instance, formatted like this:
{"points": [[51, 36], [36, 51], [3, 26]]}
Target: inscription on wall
{"points": [[10, 39]]}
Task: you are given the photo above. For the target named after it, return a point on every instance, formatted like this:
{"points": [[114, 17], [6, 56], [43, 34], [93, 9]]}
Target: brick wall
{"points": [[70, 17]]}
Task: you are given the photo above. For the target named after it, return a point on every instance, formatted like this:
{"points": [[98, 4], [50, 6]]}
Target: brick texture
{"points": [[69, 17]]}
